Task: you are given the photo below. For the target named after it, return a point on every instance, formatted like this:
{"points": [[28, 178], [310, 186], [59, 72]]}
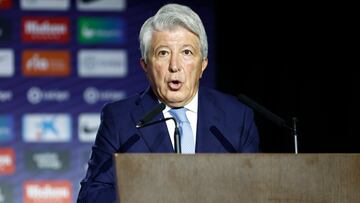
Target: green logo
{"points": [[93, 30]]}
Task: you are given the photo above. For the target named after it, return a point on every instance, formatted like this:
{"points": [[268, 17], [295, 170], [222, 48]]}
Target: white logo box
{"points": [[7, 64], [46, 127], [45, 4], [102, 63], [101, 5], [88, 125]]}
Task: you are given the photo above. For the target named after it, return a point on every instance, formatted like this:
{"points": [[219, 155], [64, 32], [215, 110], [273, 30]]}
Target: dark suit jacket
{"points": [[224, 125]]}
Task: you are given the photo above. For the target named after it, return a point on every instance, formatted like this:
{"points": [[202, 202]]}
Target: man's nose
{"points": [[174, 66]]}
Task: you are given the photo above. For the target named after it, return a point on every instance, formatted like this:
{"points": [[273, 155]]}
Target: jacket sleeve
{"points": [[99, 184], [250, 136]]}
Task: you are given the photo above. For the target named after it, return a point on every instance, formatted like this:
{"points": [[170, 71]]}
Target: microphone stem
{"points": [[177, 140], [177, 144], [295, 134]]}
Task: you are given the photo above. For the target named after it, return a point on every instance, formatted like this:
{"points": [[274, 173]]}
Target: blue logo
{"points": [[46, 128], [6, 128]]}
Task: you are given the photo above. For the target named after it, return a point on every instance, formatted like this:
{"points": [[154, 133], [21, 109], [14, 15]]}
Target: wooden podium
{"points": [[222, 178]]}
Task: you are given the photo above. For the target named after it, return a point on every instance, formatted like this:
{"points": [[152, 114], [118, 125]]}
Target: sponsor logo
{"points": [[6, 128], [36, 95], [7, 161], [46, 128], [102, 63], [45, 63], [5, 4], [7, 63], [5, 29], [93, 30], [6, 193], [45, 29], [47, 160], [88, 126], [47, 191], [45, 4], [92, 95], [101, 5], [5, 96]]}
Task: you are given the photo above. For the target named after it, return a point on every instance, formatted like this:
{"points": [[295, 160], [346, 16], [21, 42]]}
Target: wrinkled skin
{"points": [[174, 66]]}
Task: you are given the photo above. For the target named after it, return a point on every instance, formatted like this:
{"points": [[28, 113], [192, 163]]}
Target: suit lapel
{"points": [[156, 137], [210, 117]]}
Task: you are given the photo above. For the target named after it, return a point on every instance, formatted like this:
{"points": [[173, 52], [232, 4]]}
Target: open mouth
{"points": [[175, 85]]}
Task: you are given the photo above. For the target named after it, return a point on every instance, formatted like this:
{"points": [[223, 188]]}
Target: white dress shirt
{"points": [[191, 114]]}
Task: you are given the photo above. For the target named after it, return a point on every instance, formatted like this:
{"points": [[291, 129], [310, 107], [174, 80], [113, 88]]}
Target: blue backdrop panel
{"points": [[60, 62]]}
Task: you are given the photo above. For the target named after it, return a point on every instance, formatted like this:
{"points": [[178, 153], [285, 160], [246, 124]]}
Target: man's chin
{"points": [[175, 102]]}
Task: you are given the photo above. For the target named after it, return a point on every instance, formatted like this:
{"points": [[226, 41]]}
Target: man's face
{"points": [[174, 66]]}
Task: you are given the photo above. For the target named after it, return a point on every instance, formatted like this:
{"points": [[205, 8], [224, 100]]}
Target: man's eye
{"points": [[187, 52], [162, 53]]}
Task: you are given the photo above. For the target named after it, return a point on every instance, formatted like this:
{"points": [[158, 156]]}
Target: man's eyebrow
{"points": [[188, 45], [161, 46]]}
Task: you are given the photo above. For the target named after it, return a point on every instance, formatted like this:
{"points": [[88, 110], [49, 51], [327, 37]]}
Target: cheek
{"points": [[195, 75], [158, 76], [160, 69]]}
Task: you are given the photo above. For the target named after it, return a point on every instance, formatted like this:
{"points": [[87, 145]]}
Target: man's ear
{"points": [[204, 64], [143, 64]]}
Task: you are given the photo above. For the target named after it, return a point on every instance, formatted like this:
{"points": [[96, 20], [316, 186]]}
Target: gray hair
{"points": [[168, 17]]}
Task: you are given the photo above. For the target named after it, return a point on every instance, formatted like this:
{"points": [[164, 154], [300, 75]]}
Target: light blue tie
{"points": [[186, 134]]}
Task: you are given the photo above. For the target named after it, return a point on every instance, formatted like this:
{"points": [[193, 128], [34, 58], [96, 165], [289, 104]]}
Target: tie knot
{"points": [[179, 114]]}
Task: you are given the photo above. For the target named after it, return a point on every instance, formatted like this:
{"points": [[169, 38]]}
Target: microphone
{"points": [[222, 139], [151, 115], [134, 138], [262, 110], [146, 121], [176, 132], [272, 117]]}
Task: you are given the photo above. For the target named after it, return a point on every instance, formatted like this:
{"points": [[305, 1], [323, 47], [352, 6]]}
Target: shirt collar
{"points": [[191, 106]]}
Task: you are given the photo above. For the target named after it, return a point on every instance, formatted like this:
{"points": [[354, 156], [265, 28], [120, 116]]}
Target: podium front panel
{"points": [[164, 178]]}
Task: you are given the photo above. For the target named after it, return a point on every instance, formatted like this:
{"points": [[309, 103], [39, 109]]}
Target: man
{"points": [[174, 50]]}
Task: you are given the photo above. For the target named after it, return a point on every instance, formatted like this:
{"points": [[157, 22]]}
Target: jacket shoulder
{"points": [[120, 106], [224, 100]]}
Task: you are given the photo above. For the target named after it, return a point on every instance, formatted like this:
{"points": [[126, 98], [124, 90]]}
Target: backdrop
{"points": [[60, 62]]}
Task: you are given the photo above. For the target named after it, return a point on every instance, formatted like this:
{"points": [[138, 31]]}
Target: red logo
{"points": [[47, 191], [45, 29], [45, 63], [7, 161], [5, 4]]}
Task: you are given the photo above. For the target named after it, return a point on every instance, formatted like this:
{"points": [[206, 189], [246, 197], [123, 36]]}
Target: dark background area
{"points": [[295, 60]]}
